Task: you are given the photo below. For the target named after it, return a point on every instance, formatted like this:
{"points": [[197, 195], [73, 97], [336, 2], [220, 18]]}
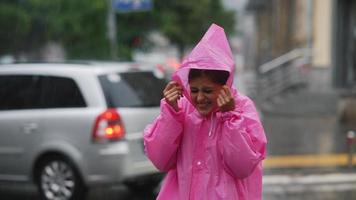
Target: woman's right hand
{"points": [[172, 93]]}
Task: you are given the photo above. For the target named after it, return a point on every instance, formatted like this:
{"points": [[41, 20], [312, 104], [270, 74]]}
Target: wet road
{"points": [[325, 186], [349, 195], [313, 186], [28, 192]]}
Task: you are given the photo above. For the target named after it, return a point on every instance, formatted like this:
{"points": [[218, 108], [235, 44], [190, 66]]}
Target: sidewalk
{"points": [[303, 129], [331, 186], [307, 152]]}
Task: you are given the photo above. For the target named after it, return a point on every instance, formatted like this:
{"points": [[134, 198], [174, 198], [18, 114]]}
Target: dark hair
{"points": [[217, 76]]}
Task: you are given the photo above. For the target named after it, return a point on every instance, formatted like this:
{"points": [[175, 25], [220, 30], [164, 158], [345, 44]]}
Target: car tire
{"points": [[57, 178]]}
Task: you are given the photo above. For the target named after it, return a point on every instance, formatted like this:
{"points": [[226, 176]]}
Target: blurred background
{"points": [[295, 59]]}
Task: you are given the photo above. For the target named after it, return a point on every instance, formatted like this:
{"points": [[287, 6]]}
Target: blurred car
{"points": [[69, 127]]}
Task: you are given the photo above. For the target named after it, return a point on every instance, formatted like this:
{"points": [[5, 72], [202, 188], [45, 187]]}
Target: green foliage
{"points": [[132, 31], [185, 21], [81, 25], [15, 26]]}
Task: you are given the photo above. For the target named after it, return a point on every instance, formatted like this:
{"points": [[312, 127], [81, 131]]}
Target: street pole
{"points": [[350, 140], [309, 29], [112, 30]]}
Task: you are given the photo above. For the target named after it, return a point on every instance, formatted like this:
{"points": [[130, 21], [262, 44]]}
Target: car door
{"points": [[18, 123]]}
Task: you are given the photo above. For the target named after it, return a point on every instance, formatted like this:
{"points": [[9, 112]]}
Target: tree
{"points": [[15, 25], [80, 26], [184, 21], [132, 31]]}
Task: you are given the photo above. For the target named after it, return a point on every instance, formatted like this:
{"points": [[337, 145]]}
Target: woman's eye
{"points": [[208, 91], [193, 90]]}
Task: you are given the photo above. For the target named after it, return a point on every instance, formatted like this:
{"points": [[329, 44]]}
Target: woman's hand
{"points": [[225, 100], [172, 93]]}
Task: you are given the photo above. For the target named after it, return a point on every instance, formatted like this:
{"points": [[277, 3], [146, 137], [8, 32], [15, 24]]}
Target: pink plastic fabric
{"points": [[208, 158]]}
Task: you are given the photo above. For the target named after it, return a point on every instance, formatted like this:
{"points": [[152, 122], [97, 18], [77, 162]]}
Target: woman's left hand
{"points": [[225, 100]]}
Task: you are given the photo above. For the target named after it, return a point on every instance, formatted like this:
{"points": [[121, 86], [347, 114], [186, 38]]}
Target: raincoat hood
{"points": [[212, 53]]}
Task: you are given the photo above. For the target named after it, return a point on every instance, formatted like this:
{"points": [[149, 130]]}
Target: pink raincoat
{"points": [[208, 158]]}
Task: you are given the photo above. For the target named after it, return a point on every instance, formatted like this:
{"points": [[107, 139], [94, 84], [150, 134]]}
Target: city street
{"points": [[307, 154], [331, 186], [28, 192]]}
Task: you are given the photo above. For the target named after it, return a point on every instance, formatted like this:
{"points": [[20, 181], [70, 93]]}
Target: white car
{"points": [[68, 127]]}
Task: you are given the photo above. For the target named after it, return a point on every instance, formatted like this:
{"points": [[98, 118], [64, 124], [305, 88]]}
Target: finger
{"points": [[228, 94], [173, 97], [223, 93], [174, 93], [227, 90], [221, 100], [171, 90], [179, 89], [220, 103], [226, 97], [170, 85]]}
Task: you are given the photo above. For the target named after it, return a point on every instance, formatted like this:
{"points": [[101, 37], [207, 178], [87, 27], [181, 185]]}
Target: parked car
{"points": [[69, 127]]}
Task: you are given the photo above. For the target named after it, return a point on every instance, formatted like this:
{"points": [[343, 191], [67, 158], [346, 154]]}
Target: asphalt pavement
{"points": [[29, 192]]}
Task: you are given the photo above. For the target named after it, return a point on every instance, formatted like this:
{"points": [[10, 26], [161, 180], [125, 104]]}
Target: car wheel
{"points": [[57, 179]]}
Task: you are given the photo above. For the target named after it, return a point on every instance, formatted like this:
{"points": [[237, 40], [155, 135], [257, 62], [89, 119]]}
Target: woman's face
{"points": [[204, 93]]}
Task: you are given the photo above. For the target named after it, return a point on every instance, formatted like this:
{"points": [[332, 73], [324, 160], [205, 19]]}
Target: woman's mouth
{"points": [[203, 106]]}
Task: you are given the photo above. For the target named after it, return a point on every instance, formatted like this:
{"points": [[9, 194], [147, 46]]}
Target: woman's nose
{"points": [[200, 96]]}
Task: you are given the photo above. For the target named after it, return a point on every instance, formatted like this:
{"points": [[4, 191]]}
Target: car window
{"points": [[61, 92], [132, 89], [35, 91], [19, 92]]}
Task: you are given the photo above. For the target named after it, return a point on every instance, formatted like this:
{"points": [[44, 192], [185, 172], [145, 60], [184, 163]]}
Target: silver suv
{"points": [[68, 127]]}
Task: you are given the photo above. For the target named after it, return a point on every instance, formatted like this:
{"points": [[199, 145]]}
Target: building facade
{"points": [[327, 27], [344, 44]]}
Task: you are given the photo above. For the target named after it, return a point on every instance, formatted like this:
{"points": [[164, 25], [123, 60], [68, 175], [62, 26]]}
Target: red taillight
{"points": [[108, 125]]}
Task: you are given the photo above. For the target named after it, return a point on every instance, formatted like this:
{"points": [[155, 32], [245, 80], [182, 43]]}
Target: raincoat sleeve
{"points": [[243, 139], [162, 137]]}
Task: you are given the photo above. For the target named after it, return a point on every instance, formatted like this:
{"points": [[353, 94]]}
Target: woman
{"points": [[207, 137]]}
